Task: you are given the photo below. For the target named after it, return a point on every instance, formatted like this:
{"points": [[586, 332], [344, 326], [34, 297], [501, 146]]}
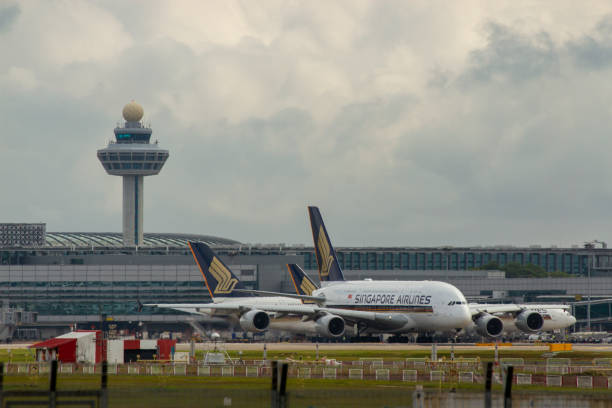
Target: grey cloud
{"points": [[593, 50], [358, 122], [512, 56], [8, 16]]}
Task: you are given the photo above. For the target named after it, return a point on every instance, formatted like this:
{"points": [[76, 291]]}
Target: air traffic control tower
{"points": [[132, 156]]}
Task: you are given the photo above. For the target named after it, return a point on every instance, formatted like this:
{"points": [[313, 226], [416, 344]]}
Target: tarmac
{"points": [[284, 346]]}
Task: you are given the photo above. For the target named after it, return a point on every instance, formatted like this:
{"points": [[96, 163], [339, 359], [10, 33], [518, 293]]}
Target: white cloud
{"points": [[416, 123]]}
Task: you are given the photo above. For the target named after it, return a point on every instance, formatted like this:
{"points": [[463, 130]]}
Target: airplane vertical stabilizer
{"points": [[303, 284], [218, 277], [329, 268]]}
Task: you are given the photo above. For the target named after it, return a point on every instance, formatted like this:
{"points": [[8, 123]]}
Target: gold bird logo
{"points": [[307, 287], [225, 282], [324, 251]]}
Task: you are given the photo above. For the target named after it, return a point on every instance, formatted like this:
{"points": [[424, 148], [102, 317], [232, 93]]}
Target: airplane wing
{"points": [[288, 295], [199, 308], [476, 308], [310, 311]]}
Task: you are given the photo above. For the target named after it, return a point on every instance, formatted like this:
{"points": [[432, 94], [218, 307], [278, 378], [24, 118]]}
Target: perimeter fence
{"points": [[145, 384], [549, 373]]}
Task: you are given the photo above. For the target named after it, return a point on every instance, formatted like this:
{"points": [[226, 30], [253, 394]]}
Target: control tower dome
{"points": [[132, 156]]}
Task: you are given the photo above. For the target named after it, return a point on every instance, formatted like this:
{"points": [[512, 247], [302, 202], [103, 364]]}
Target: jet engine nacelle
{"points": [[330, 326], [255, 320], [529, 321], [489, 325]]}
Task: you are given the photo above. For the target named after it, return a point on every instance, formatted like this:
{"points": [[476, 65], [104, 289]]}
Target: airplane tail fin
{"points": [[329, 268], [303, 284], [218, 277]]}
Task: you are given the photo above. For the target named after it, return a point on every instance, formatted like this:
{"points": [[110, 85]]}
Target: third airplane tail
{"points": [[303, 284], [329, 268], [218, 277]]}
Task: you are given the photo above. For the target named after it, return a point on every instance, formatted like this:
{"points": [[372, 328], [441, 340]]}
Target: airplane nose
{"points": [[572, 319]]}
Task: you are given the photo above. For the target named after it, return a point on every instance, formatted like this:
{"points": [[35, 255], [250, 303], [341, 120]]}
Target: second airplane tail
{"points": [[329, 268], [219, 279]]}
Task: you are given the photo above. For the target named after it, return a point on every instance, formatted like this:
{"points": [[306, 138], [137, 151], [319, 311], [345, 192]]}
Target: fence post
{"points": [[52, 384], [274, 390], [104, 385], [1, 384], [487, 401], [282, 395], [508, 388], [418, 397]]}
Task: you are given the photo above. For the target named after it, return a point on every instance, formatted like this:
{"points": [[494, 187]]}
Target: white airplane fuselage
{"points": [[400, 306]]}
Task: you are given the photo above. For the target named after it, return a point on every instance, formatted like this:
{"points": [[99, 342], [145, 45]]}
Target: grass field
{"points": [[169, 391], [390, 355], [158, 392]]}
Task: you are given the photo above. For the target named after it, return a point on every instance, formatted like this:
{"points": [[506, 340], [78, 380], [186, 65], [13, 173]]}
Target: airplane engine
{"points": [[529, 321], [255, 320], [330, 326], [489, 325]]}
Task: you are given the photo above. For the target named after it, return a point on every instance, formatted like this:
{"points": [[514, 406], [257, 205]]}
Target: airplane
{"points": [[555, 317], [240, 308], [491, 320]]}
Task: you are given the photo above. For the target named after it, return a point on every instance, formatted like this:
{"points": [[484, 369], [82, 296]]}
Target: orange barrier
{"points": [[560, 347]]}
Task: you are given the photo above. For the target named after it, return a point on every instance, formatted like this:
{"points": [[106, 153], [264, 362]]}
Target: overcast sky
{"points": [[407, 122]]}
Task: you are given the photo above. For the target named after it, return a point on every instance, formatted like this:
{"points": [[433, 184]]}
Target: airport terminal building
{"points": [[90, 278]]}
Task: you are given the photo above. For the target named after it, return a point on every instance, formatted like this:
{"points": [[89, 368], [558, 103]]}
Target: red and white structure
{"points": [[81, 346], [127, 351], [88, 347]]}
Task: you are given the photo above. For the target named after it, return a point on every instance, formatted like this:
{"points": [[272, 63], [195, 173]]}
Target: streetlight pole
{"points": [[589, 292]]}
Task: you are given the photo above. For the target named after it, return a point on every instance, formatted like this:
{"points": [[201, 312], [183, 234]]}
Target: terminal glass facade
{"points": [[574, 262], [104, 289]]}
